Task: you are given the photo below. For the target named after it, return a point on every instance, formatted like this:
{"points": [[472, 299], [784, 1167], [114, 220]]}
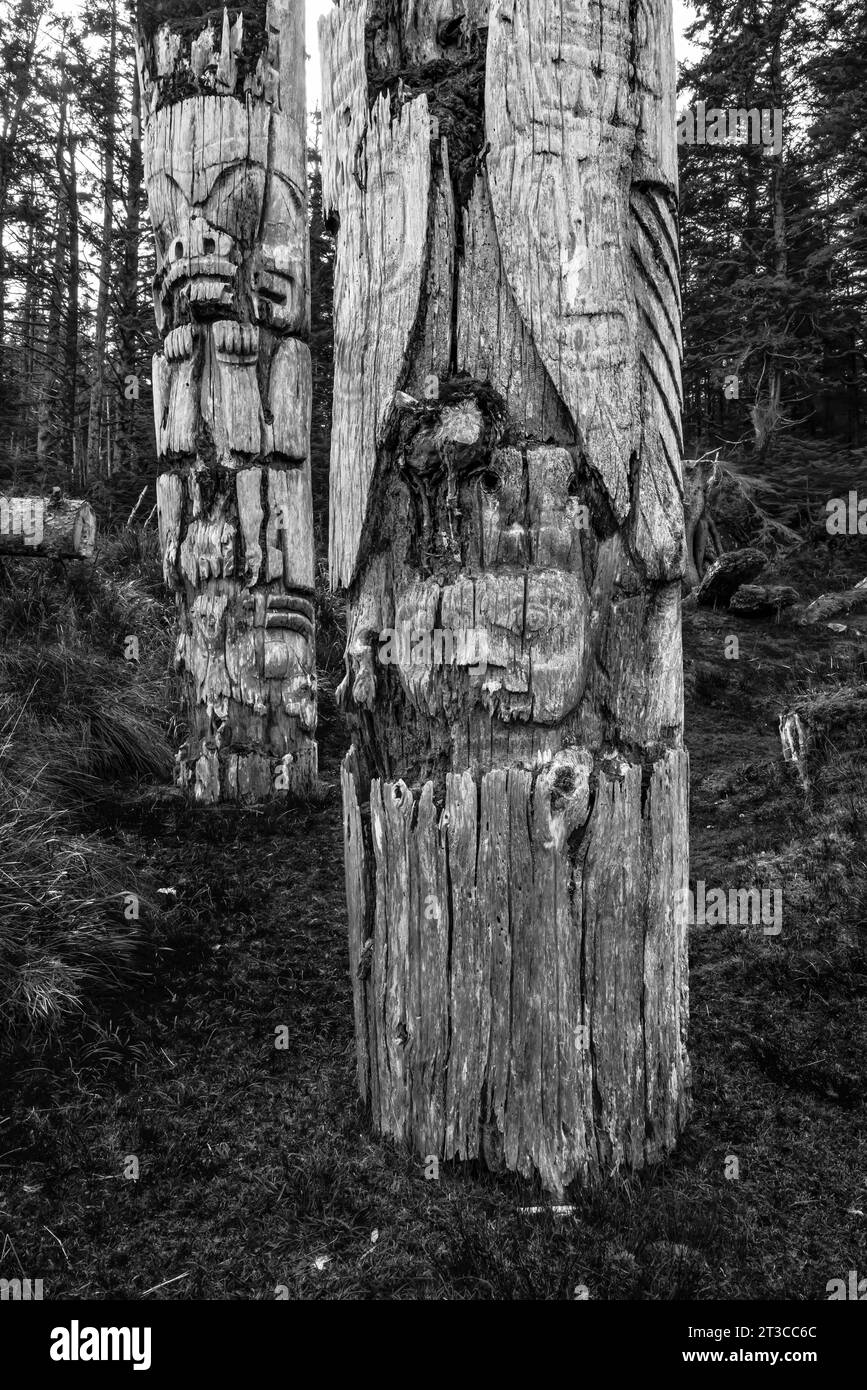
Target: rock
{"points": [[755, 600], [829, 605], [728, 573], [837, 627]]}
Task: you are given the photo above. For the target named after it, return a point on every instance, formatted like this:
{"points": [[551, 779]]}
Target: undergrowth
{"points": [[80, 728]]}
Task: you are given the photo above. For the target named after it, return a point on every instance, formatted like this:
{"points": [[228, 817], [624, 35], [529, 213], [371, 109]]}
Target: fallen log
{"points": [[830, 605], [47, 528]]}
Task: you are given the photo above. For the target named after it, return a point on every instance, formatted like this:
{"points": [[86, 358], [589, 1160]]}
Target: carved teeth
{"points": [[233, 339], [179, 343], [199, 268], [209, 292]]}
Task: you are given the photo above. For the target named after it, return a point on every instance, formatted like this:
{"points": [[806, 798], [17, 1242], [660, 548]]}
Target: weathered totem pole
{"points": [[507, 518], [224, 143]]}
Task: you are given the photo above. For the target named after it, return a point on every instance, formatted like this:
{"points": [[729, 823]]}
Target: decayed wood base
{"points": [[249, 778], [501, 1009]]}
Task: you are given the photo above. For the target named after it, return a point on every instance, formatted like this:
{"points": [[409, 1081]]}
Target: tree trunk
{"points": [[70, 354], [52, 354], [224, 156], [125, 449], [47, 528], [767, 414], [97, 386], [22, 87], [19, 404], [507, 515]]}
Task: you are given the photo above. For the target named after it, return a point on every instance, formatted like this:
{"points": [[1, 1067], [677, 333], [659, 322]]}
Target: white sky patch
{"points": [[684, 15], [315, 9]]}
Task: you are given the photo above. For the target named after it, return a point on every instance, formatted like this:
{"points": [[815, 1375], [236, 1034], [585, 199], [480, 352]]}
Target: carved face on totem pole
{"points": [[485, 544], [225, 170], [533, 494], [230, 232], [503, 549]]}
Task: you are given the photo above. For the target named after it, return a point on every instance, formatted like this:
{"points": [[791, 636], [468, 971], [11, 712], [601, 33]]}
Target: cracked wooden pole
{"points": [[224, 147], [507, 518], [47, 528]]}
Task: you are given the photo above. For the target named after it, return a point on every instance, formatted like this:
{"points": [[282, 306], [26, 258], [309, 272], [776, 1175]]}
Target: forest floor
{"points": [[258, 1176]]}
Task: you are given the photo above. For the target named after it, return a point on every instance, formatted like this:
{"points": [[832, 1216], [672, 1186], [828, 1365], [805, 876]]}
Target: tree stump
{"points": [[47, 528], [507, 517]]}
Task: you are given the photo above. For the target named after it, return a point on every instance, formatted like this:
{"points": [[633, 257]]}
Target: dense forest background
{"points": [[774, 252], [77, 329]]}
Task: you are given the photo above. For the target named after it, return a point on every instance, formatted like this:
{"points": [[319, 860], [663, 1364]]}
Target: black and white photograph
{"points": [[433, 670]]}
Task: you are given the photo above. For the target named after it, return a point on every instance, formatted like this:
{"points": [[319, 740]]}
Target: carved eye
{"points": [[209, 245], [179, 250], [490, 481], [347, 115]]}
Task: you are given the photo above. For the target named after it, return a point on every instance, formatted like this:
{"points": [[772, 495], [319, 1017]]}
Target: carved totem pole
{"points": [[507, 462], [224, 140]]}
